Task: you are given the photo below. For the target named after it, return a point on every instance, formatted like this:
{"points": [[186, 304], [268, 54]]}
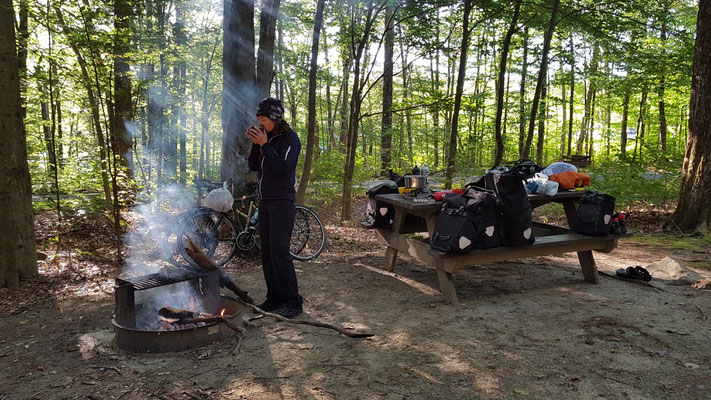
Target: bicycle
{"points": [[220, 235]]}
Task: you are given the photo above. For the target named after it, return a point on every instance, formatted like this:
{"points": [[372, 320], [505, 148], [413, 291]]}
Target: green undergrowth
{"points": [[671, 242]]}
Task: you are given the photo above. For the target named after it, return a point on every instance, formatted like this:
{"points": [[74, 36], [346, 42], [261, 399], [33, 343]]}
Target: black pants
{"points": [[276, 221]]}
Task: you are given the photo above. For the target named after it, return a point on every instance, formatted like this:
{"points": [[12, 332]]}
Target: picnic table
{"points": [[415, 215]]}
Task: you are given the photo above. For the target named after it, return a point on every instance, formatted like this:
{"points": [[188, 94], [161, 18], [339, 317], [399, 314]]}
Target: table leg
{"points": [[390, 259], [571, 211], [391, 252], [431, 220], [587, 262], [446, 285]]}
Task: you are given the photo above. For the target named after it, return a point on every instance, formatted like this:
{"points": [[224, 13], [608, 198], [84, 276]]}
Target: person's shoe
{"points": [[289, 312], [269, 306]]}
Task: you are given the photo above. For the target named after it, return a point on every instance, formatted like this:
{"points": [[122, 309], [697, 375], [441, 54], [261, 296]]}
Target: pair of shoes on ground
{"points": [[285, 310], [636, 272]]}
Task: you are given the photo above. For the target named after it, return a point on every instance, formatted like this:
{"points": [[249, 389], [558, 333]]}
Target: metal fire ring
{"points": [[151, 341]]}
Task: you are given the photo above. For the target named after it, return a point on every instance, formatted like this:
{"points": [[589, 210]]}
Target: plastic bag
{"points": [[220, 200], [540, 184], [558, 167]]}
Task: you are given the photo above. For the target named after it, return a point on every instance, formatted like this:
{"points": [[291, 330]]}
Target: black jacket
{"points": [[276, 162]]}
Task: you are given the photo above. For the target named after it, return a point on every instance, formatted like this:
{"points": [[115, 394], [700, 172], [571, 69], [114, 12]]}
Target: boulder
{"points": [[673, 271]]}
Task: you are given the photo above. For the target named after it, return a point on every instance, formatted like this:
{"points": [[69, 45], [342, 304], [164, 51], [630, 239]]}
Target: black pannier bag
{"points": [[379, 214], [525, 169], [454, 231], [595, 212], [516, 213], [484, 208]]}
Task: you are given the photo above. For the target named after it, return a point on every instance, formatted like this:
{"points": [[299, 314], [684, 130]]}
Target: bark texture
{"points": [[694, 210], [18, 257]]}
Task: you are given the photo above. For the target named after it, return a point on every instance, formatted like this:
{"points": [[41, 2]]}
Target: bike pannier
{"points": [[595, 212]]}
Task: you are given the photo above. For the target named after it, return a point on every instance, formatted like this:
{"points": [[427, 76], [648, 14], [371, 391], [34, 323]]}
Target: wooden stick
{"points": [[311, 323], [204, 262]]}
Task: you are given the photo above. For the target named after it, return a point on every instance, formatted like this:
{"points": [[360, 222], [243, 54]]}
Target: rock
{"points": [[672, 270]]}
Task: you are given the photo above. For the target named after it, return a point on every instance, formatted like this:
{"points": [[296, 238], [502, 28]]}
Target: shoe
{"points": [[289, 312], [637, 273], [269, 306], [642, 272]]}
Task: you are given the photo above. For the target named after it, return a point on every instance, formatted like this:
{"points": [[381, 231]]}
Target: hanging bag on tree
{"points": [[595, 212]]}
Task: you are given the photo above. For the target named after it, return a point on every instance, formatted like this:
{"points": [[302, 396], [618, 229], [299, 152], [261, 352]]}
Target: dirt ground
{"points": [[529, 328]]}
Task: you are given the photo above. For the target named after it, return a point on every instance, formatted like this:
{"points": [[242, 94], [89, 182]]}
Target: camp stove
{"points": [[414, 185]]}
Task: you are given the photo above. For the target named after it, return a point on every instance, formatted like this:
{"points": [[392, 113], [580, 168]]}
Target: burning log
{"points": [[184, 317], [204, 262]]}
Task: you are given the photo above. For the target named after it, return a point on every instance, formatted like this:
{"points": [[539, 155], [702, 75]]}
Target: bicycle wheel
{"points": [[214, 233], [171, 248], [308, 238]]}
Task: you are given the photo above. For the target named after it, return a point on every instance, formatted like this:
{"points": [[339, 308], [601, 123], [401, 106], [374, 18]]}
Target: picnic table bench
{"points": [[413, 216]]}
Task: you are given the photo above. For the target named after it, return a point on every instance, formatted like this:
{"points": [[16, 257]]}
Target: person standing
{"points": [[274, 154]]}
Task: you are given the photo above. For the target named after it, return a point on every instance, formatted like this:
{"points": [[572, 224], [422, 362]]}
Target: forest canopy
{"points": [[128, 94]]}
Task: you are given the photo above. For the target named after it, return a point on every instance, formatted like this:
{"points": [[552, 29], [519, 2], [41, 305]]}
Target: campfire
{"points": [[209, 317], [173, 310]]}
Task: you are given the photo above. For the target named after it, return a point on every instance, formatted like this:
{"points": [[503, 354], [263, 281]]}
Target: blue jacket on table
{"points": [[276, 163]]}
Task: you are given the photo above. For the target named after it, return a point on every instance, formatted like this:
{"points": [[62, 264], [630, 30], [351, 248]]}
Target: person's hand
{"points": [[257, 135]]}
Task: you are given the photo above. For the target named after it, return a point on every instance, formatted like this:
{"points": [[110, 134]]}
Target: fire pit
{"points": [[139, 327]]}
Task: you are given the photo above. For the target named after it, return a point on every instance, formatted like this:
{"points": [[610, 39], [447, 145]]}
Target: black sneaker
{"points": [[289, 312], [269, 306]]}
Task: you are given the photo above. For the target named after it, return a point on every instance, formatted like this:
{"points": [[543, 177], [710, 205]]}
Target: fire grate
{"points": [[205, 285], [160, 278]]}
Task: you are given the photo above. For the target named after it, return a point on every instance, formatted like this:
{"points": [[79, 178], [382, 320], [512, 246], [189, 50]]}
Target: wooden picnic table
{"points": [[413, 215]]}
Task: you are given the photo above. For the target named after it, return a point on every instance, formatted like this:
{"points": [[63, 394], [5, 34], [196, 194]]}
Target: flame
{"points": [[192, 303], [222, 313]]}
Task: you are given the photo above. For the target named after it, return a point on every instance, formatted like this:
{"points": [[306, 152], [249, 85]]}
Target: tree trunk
{"points": [[541, 125], [386, 139], [499, 151], [343, 135], [640, 124], [17, 240], [563, 107], [238, 92], [435, 87], [311, 118], [625, 117], [123, 108], [662, 113], [587, 114], [522, 94], [280, 61], [572, 94], [452, 156], [541, 78], [407, 126], [22, 38], [181, 41], [330, 111], [693, 212], [265, 56], [94, 106], [357, 50]]}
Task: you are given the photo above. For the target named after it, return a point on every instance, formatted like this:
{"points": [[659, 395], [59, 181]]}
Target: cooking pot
{"points": [[415, 181]]}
